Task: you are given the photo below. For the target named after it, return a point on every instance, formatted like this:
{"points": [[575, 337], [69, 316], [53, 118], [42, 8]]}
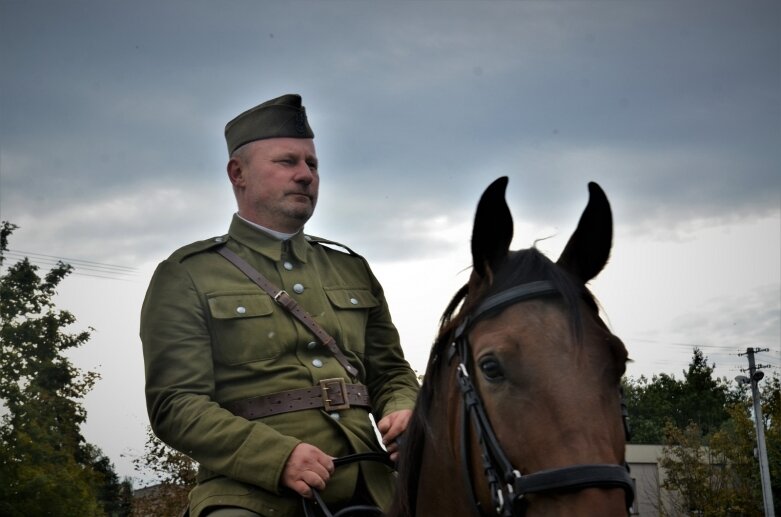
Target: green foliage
{"points": [[46, 466], [710, 439], [698, 398], [174, 472], [718, 478]]}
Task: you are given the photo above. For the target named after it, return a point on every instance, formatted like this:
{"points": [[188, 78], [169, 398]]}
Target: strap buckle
{"points": [[280, 294], [334, 393]]}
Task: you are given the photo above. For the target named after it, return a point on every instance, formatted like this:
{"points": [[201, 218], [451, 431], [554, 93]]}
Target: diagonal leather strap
{"points": [[284, 299]]}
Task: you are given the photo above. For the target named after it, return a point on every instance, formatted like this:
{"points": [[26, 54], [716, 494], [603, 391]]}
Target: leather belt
{"points": [[329, 394]]}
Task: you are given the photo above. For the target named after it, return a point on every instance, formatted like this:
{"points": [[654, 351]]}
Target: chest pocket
{"points": [[246, 328], [351, 307]]}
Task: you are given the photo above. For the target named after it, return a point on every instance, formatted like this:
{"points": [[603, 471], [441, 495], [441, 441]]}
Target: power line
{"points": [[81, 267], [702, 346], [74, 262]]}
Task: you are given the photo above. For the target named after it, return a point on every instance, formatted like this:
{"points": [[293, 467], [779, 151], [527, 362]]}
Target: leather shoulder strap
{"points": [[282, 298]]}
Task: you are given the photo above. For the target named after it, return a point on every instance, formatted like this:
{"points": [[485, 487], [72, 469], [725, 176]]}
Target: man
{"points": [[238, 383]]}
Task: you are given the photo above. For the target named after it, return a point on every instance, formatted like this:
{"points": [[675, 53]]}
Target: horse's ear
{"points": [[588, 249], [493, 228]]}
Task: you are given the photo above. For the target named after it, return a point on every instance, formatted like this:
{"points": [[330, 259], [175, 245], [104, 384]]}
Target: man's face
{"points": [[276, 182]]}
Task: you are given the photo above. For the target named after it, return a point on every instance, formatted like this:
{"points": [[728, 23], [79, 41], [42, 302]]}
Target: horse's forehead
{"points": [[545, 319], [544, 325]]}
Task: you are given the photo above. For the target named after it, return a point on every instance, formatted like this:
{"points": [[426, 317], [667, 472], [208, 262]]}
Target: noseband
{"points": [[508, 486]]}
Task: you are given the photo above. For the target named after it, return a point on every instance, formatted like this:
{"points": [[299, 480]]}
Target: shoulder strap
{"points": [[319, 240], [284, 299]]}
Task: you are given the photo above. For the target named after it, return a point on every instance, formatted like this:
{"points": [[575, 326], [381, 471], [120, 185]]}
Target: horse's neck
{"points": [[442, 489]]}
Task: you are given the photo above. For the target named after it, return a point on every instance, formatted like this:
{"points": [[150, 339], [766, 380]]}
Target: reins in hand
{"points": [[318, 508]]}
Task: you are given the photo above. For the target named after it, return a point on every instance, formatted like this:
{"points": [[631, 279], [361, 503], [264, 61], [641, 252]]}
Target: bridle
{"points": [[507, 485]]}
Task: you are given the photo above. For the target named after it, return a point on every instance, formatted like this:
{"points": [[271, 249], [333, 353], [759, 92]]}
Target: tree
{"points": [[174, 474], [651, 405], [710, 438], [718, 474], [698, 398], [115, 496], [46, 466], [718, 477]]}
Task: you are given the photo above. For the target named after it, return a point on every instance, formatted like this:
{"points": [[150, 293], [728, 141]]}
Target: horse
{"points": [[521, 411]]}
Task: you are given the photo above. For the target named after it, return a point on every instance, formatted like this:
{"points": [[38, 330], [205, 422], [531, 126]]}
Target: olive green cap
{"points": [[283, 117]]}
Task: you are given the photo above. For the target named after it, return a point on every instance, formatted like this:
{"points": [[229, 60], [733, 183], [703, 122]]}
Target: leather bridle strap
{"points": [[490, 449], [508, 487], [506, 484], [514, 295], [576, 477]]}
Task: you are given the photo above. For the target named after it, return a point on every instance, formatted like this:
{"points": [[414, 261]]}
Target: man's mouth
{"points": [[300, 194]]}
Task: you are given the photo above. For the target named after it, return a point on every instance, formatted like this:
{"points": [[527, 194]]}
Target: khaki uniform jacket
{"points": [[211, 336]]}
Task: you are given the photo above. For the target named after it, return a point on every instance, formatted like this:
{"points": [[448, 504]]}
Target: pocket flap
{"points": [[352, 298], [232, 306]]}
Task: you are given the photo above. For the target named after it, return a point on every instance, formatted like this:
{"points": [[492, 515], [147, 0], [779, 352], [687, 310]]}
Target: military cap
{"points": [[283, 117]]}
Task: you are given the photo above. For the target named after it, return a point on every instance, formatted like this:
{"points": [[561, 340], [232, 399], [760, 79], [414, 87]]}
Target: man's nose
{"points": [[303, 174]]}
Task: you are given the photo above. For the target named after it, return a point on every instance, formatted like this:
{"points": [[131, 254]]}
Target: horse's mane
{"points": [[520, 267]]}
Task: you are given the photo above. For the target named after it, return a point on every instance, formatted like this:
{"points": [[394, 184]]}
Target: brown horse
{"points": [[520, 412]]}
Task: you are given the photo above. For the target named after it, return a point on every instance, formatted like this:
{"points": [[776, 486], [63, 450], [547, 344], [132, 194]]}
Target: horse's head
{"points": [[536, 421], [546, 367]]}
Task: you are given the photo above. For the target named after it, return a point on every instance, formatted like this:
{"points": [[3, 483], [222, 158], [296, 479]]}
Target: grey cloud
{"points": [[674, 108], [753, 319]]}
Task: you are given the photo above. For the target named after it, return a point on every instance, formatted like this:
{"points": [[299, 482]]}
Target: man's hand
{"points": [[307, 467], [391, 427]]}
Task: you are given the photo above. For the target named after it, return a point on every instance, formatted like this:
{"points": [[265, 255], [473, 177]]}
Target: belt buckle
{"points": [[327, 385]]}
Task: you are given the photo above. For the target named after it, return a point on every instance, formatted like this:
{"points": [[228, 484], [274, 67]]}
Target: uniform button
{"points": [[288, 265], [218, 239], [353, 301], [307, 237], [317, 363], [241, 310], [336, 416], [311, 345], [298, 288]]}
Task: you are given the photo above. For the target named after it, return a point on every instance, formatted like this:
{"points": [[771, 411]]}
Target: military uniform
{"points": [[211, 337]]}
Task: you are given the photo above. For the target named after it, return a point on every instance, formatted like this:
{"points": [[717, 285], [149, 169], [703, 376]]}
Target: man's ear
{"points": [[235, 169]]}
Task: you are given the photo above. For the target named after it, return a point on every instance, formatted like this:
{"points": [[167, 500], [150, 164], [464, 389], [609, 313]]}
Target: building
{"points": [[651, 500]]}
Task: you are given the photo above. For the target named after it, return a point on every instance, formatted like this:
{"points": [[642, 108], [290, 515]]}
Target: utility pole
{"points": [[754, 376]]}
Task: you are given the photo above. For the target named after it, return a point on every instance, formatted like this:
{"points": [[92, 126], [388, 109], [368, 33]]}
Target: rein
{"points": [[507, 485], [358, 509]]}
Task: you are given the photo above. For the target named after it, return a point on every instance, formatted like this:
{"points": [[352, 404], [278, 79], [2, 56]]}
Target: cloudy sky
{"points": [[112, 155]]}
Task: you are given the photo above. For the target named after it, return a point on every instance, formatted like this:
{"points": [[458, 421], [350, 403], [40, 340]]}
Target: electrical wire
{"points": [[81, 267]]}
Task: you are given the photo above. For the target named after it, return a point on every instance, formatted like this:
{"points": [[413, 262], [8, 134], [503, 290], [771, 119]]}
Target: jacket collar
{"points": [[266, 245]]}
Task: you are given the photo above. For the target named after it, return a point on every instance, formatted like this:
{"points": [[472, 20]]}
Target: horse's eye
{"points": [[491, 368]]}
